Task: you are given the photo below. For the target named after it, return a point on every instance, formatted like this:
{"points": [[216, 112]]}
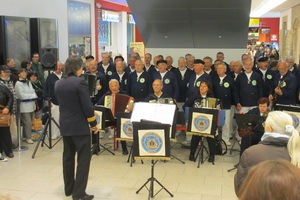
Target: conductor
{"points": [[76, 115]]}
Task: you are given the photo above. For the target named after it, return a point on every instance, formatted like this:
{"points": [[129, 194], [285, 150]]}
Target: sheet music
{"points": [[162, 113]]}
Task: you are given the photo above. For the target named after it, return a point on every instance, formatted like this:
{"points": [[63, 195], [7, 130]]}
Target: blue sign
{"points": [[152, 143], [201, 123]]}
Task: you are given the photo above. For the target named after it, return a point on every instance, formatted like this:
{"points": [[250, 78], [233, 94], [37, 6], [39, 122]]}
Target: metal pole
{"points": [[18, 120]]}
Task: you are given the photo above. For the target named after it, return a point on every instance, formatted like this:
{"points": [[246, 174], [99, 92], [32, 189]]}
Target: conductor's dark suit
{"points": [[76, 114]]}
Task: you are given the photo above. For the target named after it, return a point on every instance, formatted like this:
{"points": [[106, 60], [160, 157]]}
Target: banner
{"points": [[137, 47]]}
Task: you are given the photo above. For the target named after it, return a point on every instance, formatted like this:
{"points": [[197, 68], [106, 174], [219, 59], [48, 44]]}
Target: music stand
{"points": [[202, 122], [151, 142], [104, 115], [125, 133], [293, 111], [248, 122]]}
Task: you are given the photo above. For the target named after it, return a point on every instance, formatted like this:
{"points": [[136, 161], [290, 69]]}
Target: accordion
{"points": [[118, 103], [91, 80]]}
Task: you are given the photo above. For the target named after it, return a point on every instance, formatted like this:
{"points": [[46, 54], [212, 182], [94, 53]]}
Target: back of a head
{"points": [[72, 64], [271, 180], [282, 123]]}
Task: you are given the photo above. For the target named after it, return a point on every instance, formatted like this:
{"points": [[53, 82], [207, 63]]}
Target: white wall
{"points": [[55, 9], [230, 54], [287, 13]]}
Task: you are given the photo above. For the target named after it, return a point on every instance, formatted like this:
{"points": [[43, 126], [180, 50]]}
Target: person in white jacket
{"points": [[25, 91]]}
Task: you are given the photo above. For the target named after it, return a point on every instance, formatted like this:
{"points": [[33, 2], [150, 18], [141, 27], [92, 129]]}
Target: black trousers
{"points": [[195, 142], [82, 146], [249, 140], [5, 140]]}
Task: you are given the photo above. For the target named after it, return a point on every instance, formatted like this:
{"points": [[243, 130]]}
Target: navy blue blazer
{"points": [[226, 92], [76, 111], [170, 86], [110, 70], [122, 82], [249, 91], [193, 87], [289, 89], [138, 89], [267, 81], [182, 82]]}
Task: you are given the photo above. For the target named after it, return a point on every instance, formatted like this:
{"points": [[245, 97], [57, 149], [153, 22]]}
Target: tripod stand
{"points": [[96, 146], [47, 131], [200, 153], [152, 179]]}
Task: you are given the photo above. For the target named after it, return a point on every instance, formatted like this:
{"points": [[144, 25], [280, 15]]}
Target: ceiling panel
{"points": [[192, 23]]}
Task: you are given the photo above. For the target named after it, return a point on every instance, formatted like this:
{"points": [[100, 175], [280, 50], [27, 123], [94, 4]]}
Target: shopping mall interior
{"points": [[124, 27]]}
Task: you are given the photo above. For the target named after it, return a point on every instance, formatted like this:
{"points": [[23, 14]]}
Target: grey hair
{"points": [[279, 120], [282, 61], [290, 58], [181, 58], [105, 52], [222, 63], [113, 80]]}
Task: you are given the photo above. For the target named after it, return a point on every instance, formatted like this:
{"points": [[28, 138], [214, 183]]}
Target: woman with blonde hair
{"points": [[280, 141], [272, 180]]}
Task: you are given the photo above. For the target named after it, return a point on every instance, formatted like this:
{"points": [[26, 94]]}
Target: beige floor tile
{"points": [[112, 178]]}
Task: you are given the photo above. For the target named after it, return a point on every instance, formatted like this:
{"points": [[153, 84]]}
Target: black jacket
{"points": [[75, 107], [6, 97]]}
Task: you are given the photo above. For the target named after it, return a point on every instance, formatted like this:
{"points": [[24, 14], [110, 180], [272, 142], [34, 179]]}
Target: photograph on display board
{"points": [[202, 122], [124, 127], [151, 141]]}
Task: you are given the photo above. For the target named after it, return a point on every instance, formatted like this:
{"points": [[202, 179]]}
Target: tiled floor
{"points": [[111, 177]]}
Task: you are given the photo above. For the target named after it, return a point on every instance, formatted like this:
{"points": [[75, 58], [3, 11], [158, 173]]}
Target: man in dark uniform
{"points": [[131, 67], [148, 66], [114, 88], [267, 75], [220, 57], [196, 78], [138, 83], [225, 90], [105, 66], [120, 75], [296, 72], [76, 115], [170, 66], [182, 74], [208, 67], [249, 86], [100, 84], [168, 79], [157, 95], [284, 87]]}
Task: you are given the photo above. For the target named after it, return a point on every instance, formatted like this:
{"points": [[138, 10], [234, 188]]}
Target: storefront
{"points": [[264, 30]]}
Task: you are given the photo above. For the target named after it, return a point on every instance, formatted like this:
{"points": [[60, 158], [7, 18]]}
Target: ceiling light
{"points": [[265, 7]]}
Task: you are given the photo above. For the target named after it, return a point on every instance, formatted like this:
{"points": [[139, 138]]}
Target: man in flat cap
{"points": [[170, 85], [249, 86], [267, 75]]}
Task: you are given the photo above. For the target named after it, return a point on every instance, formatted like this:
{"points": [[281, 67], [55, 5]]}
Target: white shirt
{"points": [[221, 79], [138, 75], [25, 91], [105, 67], [248, 76], [162, 75], [263, 72], [121, 76], [182, 72], [208, 72], [147, 68], [58, 75], [131, 70]]}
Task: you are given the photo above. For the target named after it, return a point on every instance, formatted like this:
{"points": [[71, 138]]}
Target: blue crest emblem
{"points": [[295, 120], [152, 142], [201, 123], [98, 119], [127, 128]]}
